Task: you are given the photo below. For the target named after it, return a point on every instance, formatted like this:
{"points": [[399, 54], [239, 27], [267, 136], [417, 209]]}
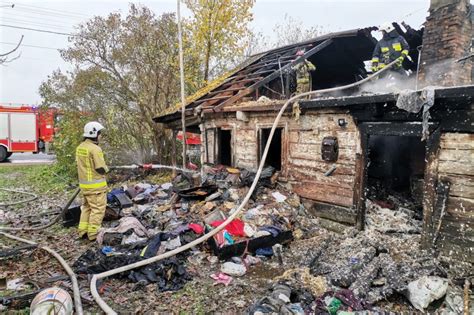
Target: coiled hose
{"points": [[93, 285], [72, 275], [33, 197], [53, 222]]}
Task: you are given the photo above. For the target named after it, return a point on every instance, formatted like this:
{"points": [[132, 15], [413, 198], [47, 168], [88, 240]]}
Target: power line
{"points": [[33, 46], [38, 30], [29, 23], [44, 10], [53, 10]]}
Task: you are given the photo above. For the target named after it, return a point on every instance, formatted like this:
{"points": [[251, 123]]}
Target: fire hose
{"points": [[33, 197], [54, 221], [93, 285], [72, 275]]}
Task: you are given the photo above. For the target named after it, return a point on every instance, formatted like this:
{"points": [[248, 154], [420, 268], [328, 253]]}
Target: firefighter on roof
{"points": [[91, 169], [303, 75], [391, 47]]}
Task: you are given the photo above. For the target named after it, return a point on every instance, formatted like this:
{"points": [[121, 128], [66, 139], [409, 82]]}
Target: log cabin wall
{"points": [[456, 167], [302, 163]]}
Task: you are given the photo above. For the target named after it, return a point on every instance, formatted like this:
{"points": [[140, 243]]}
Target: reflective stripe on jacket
{"points": [[90, 158]]}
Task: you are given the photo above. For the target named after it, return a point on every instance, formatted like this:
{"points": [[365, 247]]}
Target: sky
{"points": [[20, 79]]}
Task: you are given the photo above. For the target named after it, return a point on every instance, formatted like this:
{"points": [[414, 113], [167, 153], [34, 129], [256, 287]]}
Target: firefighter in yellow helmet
{"points": [[91, 169]]}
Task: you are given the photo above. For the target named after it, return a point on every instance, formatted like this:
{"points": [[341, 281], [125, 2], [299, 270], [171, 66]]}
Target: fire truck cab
{"points": [[24, 129]]}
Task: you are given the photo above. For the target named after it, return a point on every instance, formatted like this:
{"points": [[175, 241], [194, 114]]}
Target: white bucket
{"points": [[52, 301]]}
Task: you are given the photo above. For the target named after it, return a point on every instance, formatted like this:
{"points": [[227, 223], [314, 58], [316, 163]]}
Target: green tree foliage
{"points": [[125, 73], [220, 32]]}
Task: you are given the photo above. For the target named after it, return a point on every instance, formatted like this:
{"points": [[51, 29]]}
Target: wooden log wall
{"points": [[456, 166], [302, 164]]}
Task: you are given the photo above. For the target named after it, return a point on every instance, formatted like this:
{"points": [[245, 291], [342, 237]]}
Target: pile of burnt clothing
{"points": [[283, 299], [373, 265], [170, 274]]}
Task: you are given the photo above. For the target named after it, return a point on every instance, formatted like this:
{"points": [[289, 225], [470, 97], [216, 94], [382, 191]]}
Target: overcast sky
{"points": [[20, 79]]}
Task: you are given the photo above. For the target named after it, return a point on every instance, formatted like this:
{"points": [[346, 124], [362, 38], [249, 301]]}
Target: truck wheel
{"points": [[3, 154], [9, 154]]}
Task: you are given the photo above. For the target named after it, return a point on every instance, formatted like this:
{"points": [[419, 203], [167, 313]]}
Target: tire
{"points": [[3, 154], [9, 154]]}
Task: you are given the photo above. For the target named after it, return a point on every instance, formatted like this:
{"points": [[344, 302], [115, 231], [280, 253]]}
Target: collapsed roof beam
{"points": [[272, 76]]}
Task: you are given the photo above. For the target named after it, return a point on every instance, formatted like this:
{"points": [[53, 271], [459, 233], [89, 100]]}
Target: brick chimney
{"points": [[446, 38]]}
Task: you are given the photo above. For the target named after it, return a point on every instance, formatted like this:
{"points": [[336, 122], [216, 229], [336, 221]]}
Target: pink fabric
{"points": [[198, 229], [235, 227], [221, 278]]}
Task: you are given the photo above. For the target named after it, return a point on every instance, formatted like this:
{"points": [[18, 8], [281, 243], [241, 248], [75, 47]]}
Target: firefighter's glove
{"points": [[374, 67], [399, 62]]}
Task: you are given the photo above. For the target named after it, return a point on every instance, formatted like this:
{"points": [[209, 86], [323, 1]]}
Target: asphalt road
{"points": [[29, 159]]}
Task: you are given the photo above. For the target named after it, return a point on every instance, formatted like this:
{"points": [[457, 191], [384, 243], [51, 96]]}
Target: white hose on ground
{"points": [[53, 221], [72, 275], [93, 285], [34, 197]]}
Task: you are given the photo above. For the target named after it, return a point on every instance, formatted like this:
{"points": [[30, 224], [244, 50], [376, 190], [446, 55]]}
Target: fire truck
{"points": [[25, 128]]}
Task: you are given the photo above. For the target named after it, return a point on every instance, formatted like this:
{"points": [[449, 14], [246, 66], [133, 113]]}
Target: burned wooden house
{"points": [[338, 150]]}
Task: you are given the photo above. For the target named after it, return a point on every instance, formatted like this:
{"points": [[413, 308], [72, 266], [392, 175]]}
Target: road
{"points": [[29, 159]]}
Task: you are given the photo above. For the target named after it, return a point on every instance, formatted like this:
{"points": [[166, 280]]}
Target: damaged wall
{"points": [[302, 163], [456, 166], [447, 37]]}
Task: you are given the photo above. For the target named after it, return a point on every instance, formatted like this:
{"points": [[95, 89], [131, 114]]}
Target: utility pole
{"points": [[183, 97]]}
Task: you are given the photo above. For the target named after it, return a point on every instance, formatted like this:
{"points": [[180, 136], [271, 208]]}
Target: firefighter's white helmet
{"points": [[386, 27], [91, 129]]}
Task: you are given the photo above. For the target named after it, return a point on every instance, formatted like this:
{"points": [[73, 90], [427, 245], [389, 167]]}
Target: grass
{"points": [[43, 179]]}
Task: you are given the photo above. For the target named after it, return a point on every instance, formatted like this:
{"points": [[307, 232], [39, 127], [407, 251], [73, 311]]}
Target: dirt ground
{"points": [[200, 295]]}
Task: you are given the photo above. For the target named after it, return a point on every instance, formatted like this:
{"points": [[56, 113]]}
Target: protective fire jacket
{"points": [[389, 48], [302, 71], [89, 159]]}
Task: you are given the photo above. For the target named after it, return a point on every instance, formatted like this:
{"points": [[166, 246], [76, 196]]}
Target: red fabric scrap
{"points": [[198, 229], [235, 227]]}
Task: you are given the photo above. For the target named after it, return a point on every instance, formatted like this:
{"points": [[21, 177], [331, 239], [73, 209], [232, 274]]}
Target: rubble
{"points": [[256, 261]]}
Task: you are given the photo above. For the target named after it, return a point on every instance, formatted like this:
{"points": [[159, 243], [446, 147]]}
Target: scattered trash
{"points": [[278, 196], [221, 278], [16, 284], [233, 269], [52, 301], [425, 290]]}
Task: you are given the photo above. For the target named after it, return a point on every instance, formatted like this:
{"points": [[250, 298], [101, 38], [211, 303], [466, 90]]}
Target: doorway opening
{"points": [[395, 171], [274, 153], [224, 155]]}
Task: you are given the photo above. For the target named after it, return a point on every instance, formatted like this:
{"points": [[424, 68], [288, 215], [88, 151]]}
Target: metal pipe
{"points": [[93, 285], [181, 73], [72, 275], [418, 66]]}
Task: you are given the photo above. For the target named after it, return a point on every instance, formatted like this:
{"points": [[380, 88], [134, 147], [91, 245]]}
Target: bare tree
{"points": [[4, 58]]}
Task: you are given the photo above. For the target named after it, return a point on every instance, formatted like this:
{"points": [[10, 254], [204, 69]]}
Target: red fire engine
{"points": [[25, 129]]}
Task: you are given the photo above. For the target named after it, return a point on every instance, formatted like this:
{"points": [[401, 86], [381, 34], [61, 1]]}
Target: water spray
{"points": [[151, 167]]}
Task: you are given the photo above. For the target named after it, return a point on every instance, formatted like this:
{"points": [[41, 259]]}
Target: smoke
{"points": [[392, 82], [443, 73]]}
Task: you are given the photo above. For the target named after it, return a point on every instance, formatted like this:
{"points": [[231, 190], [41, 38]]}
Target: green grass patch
{"points": [[44, 179]]}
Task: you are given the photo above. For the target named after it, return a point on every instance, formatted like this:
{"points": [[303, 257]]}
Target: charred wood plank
{"points": [[241, 81], [431, 181], [442, 191], [333, 212]]}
